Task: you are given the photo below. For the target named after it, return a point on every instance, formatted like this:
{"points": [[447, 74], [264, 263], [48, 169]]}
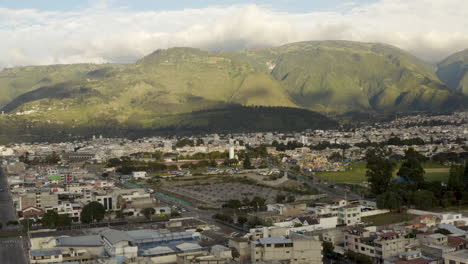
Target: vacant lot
{"points": [[357, 173], [388, 219], [220, 193]]}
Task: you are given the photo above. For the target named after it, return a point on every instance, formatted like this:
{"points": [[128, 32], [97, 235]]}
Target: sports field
{"points": [[357, 173]]}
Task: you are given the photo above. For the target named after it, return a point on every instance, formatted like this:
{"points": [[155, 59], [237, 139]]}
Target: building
{"points": [[410, 257], [118, 243], [349, 215], [458, 257], [42, 200], [295, 249], [378, 246], [139, 175]]}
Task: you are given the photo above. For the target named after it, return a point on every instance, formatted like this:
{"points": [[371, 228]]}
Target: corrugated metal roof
{"points": [[45, 252]]}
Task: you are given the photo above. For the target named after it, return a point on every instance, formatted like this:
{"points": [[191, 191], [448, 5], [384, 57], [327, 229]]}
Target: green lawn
{"points": [[357, 173], [388, 218]]}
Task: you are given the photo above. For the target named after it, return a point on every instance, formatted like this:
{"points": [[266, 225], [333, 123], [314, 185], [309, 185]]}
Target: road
{"points": [[12, 250], [7, 212]]}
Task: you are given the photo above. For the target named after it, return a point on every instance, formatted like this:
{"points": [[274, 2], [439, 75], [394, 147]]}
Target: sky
{"points": [[43, 32]]}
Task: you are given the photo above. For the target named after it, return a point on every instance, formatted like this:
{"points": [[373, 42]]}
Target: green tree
{"points": [[258, 202], [411, 170], [456, 177], [358, 258], [424, 199], [49, 219], [291, 199], [52, 158], [327, 248], [200, 142], [246, 163], [91, 212], [234, 204], [242, 220], [280, 198], [389, 200], [53, 219], [379, 170], [148, 212]]}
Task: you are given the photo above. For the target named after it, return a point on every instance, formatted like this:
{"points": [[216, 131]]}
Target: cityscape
{"points": [[302, 197], [233, 131]]}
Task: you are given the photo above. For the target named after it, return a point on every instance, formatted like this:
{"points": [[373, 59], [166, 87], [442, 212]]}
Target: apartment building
{"points": [[378, 246], [295, 249]]}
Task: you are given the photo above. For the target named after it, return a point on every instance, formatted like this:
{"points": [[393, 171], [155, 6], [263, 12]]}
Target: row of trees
{"points": [[411, 189]]}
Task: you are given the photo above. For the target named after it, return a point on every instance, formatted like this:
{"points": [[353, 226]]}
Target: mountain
{"points": [[342, 76], [454, 71], [190, 89]]}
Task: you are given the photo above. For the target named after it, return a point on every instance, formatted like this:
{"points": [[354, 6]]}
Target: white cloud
{"points": [[430, 29]]}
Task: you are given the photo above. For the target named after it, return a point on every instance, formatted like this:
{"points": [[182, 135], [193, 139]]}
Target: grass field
{"points": [[388, 219], [357, 173]]}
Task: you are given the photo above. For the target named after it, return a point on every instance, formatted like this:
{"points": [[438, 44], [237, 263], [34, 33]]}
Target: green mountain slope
{"points": [[16, 81], [342, 76], [454, 71], [177, 87]]}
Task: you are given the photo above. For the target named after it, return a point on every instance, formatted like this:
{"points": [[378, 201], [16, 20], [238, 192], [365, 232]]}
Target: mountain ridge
{"points": [[329, 77]]}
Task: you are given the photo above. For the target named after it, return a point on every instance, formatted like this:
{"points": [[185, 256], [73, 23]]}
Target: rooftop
{"points": [[45, 252]]}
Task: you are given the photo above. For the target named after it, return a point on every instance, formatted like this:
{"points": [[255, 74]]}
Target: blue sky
{"points": [[296, 6]]}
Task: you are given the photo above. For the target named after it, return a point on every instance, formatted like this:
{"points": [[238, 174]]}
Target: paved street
{"points": [[12, 250], [7, 212]]}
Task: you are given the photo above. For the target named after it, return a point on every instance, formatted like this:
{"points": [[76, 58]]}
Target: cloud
{"points": [[430, 29]]}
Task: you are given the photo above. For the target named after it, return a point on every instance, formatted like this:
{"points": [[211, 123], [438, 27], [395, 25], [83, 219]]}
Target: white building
{"points": [[138, 175]]}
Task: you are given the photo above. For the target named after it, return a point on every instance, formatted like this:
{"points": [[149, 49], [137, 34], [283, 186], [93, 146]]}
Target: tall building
{"points": [[231, 152]]}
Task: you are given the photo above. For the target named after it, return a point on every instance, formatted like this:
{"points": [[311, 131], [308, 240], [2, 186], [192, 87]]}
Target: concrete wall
{"points": [[374, 212]]}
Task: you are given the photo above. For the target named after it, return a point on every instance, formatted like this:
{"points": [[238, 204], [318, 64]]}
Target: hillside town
{"points": [[264, 197]]}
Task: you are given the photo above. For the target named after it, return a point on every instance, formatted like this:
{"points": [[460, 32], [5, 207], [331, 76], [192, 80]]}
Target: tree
{"points": [[411, 170], [379, 170], [258, 202], [234, 204], [200, 142], [327, 248], [389, 200], [424, 199], [455, 180], [53, 219], [120, 214], [148, 212], [291, 199], [247, 164], [91, 212], [280, 198], [358, 258], [242, 220]]}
